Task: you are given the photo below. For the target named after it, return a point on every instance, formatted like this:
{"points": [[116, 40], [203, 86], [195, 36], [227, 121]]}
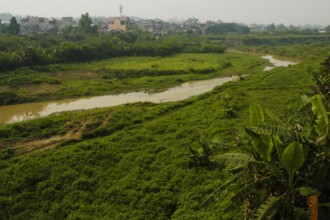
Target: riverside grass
{"points": [[119, 75], [131, 161]]}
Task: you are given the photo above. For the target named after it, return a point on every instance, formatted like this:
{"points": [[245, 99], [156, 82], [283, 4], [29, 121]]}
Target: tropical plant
{"points": [[281, 166], [201, 156], [228, 110]]}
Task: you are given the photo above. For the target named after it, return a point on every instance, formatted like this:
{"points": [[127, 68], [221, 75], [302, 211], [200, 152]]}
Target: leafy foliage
{"points": [[85, 24], [268, 209], [85, 45], [280, 181], [132, 164], [226, 28]]}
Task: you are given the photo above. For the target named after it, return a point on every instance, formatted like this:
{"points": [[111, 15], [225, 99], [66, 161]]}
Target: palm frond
{"points": [[274, 130], [250, 189], [235, 159], [268, 209], [216, 193]]}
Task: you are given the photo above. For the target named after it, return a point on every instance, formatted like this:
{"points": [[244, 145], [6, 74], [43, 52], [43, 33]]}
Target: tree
{"points": [[86, 24], [14, 27], [226, 28]]}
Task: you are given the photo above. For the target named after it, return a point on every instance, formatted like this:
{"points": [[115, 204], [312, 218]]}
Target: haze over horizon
{"points": [[295, 12]]}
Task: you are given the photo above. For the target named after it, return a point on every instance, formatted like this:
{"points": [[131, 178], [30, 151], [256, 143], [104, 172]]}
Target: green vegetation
{"points": [[85, 24], [117, 75], [134, 161], [228, 28], [282, 164], [166, 161], [13, 27], [81, 46]]}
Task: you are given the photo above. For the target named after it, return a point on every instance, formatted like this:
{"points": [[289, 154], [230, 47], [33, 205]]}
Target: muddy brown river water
{"points": [[15, 113]]}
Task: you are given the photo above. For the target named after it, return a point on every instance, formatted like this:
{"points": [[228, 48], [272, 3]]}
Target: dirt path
{"points": [[30, 146]]}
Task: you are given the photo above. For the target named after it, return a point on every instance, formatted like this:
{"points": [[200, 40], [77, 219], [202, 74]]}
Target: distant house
{"points": [[64, 22], [29, 25], [46, 24], [33, 24], [117, 24]]}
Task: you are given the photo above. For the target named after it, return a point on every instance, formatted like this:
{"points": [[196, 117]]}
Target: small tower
{"points": [[121, 10]]}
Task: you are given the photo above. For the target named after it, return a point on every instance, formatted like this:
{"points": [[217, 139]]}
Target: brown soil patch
{"points": [[30, 146]]}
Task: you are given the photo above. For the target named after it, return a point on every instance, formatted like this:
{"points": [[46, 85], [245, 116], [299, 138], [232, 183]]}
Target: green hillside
{"points": [[134, 161]]}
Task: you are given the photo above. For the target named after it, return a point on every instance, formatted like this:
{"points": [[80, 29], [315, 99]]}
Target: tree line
{"points": [[18, 51]]}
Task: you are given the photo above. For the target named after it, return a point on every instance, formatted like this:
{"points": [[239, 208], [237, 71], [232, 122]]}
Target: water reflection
{"points": [[276, 62], [14, 113]]}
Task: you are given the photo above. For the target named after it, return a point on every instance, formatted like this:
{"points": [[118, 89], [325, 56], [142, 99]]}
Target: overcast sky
{"points": [[296, 12]]}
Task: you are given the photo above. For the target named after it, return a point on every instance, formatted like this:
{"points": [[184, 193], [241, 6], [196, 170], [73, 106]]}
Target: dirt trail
{"points": [[30, 146]]}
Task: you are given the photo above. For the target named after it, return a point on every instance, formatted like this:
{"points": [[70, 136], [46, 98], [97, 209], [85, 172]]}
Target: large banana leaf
{"points": [[293, 159], [322, 121], [279, 146], [262, 144], [256, 115], [264, 147]]}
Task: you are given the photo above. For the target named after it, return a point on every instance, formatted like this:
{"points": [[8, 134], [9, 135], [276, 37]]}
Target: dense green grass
{"points": [[136, 165], [117, 75], [185, 62]]}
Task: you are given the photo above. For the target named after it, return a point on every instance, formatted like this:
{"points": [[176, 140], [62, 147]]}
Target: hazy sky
{"points": [[297, 12]]}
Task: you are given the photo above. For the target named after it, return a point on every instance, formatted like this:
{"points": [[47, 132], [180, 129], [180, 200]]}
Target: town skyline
{"points": [[292, 12]]}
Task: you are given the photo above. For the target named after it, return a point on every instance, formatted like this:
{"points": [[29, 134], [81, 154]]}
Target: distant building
{"points": [[117, 24], [64, 22], [29, 25], [32, 24], [46, 24]]}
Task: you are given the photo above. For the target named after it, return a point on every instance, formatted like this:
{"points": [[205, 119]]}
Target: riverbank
{"points": [[136, 156], [15, 113], [120, 75]]}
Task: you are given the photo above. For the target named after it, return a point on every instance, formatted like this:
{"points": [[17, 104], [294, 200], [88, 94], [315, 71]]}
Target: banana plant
{"points": [[282, 166]]}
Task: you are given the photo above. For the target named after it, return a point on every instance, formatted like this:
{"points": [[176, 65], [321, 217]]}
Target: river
{"points": [[276, 62], [15, 113]]}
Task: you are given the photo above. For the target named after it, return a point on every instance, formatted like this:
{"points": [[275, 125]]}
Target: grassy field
{"points": [[133, 161], [118, 75]]}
